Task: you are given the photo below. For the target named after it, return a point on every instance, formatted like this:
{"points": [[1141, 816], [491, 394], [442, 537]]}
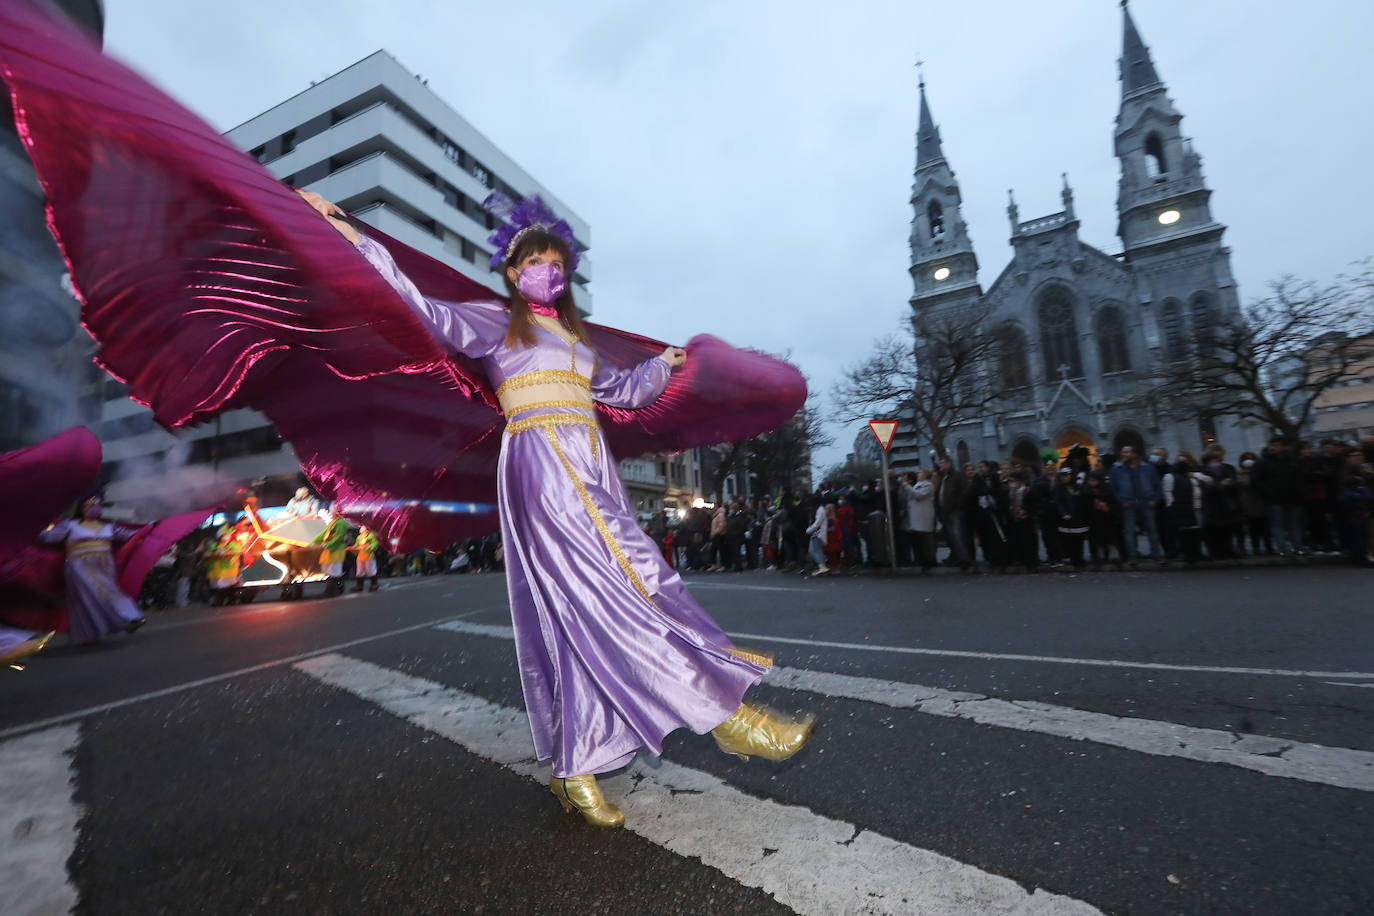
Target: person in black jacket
{"points": [[1072, 502], [1104, 522], [987, 506], [1279, 482], [951, 491]]}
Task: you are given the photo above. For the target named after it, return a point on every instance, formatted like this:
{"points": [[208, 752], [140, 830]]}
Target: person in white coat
{"points": [[819, 530], [919, 492]]}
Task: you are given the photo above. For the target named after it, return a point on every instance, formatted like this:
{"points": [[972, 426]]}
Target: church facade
{"points": [[1084, 333]]}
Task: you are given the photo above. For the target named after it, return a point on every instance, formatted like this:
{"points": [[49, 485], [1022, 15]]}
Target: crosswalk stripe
{"points": [[38, 821], [808, 862], [78, 714], [1333, 766]]}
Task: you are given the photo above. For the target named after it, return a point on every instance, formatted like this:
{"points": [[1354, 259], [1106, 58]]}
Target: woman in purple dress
{"points": [[95, 605], [614, 653]]}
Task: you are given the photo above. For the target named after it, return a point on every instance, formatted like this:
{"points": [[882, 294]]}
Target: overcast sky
{"points": [[746, 166]]}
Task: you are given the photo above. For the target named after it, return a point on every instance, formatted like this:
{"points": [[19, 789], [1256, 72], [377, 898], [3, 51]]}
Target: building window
{"points": [[1013, 366], [1171, 328], [936, 215], [469, 251], [1111, 340], [288, 142], [1059, 335], [1154, 156], [1201, 314]]}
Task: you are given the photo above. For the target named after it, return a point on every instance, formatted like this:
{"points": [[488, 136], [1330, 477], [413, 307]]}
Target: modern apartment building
{"points": [[376, 140]]}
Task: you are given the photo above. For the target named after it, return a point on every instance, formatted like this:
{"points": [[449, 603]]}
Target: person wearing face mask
{"points": [[613, 652], [96, 606]]}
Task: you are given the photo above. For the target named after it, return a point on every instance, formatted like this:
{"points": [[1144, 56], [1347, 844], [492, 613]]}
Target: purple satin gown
{"points": [[614, 653], [95, 604]]}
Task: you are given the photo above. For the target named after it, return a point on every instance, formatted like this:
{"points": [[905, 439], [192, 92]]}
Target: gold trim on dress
{"points": [[552, 405], [606, 534], [550, 420], [544, 377], [762, 659], [87, 546]]}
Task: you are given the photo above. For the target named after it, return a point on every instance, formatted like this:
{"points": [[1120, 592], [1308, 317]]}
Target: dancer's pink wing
{"points": [[209, 285]]}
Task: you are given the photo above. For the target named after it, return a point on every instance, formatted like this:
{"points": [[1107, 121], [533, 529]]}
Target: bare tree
{"points": [[782, 457], [1271, 362], [945, 371]]}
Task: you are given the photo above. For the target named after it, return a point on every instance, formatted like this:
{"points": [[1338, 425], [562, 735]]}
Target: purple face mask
{"points": [[542, 283]]}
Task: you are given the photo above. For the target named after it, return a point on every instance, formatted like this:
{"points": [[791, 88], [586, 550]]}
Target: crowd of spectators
{"points": [[1291, 500]]}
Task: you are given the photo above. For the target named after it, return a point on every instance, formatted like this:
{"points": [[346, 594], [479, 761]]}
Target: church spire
{"points": [[927, 134], [1137, 70]]}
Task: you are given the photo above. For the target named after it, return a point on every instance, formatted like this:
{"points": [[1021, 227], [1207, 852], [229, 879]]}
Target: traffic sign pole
{"points": [[891, 520], [884, 431]]}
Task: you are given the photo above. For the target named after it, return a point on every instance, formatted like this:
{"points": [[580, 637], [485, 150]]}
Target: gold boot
{"points": [[25, 649], [752, 730], [581, 794]]}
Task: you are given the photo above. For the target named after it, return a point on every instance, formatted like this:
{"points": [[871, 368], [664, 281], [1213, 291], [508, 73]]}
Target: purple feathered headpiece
{"points": [[531, 213]]}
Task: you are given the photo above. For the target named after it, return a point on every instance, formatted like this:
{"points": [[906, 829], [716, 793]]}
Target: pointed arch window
{"points": [[1171, 329], [1202, 316], [1111, 340], [1155, 163], [1013, 367], [1059, 334], [935, 214]]}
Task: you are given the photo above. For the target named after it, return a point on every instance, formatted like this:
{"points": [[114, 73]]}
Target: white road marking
{"points": [[810, 863], [1052, 659], [38, 822], [1333, 766], [228, 675], [1340, 684], [696, 583]]}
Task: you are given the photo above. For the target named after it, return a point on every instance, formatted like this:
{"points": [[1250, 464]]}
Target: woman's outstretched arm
{"points": [[474, 329]]}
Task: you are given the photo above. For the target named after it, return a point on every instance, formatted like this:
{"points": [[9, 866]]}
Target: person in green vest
{"points": [[366, 546], [335, 540], [222, 565]]}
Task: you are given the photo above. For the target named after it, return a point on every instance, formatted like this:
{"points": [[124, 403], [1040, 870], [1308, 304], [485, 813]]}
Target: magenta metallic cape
{"points": [[209, 285], [36, 485]]}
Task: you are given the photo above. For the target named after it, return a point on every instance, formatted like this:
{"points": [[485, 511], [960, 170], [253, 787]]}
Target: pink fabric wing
{"points": [[39, 483], [193, 263], [209, 285]]}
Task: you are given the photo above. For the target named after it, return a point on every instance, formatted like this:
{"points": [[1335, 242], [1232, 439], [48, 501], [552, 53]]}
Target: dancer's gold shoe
{"points": [[583, 795], [26, 648], [752, 730]]}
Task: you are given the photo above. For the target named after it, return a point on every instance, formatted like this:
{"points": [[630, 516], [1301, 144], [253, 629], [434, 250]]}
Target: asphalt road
{"points": [[1153, 742]]}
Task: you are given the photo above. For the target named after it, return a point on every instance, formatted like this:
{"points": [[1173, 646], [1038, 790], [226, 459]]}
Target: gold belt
{"points": [[550, 421], [545, 377], [552, 405], [87, 547]]}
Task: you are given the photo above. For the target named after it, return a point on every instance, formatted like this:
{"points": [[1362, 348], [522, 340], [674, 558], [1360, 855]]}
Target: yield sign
{"points": [[884, 430]]}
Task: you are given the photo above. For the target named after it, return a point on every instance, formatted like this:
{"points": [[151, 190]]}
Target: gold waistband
{"points": [[515, 410], [545, 377], [552, 420], [88, 545], [515, 427]]}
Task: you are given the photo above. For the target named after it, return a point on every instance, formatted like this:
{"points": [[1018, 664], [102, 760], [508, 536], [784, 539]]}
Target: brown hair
{"points": [[521, 330]]}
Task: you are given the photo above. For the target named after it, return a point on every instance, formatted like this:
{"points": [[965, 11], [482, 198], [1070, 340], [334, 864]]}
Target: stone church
{"points": [[1083, 330]]}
